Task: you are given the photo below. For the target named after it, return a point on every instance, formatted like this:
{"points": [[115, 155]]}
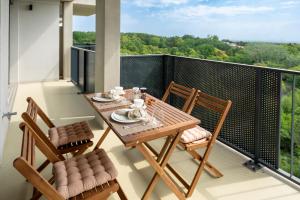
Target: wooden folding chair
{"points": [[198, 137], [88, 176], [71, 138]]}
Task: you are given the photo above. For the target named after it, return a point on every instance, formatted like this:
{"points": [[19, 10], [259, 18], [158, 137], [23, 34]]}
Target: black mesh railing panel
{"points": [[143, 71], [81, 70], [252, 125], [89, 71], [270, 122], [74, 65], [226, 81]]}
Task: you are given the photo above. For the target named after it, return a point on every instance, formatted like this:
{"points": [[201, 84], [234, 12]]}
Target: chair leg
{"points": [[36, 194], [121, 193], [164, 148], [209, 168], [199, 171], [159, 167]]}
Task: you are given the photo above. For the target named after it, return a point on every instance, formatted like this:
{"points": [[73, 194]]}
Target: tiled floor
{"points": [[63, 105]]}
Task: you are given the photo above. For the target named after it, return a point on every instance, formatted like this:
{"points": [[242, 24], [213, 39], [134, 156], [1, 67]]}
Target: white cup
{"points": [[138, 103], [119, 90]]}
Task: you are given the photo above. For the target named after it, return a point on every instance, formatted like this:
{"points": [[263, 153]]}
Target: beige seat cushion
{"points": [[75, 132], [83, 173], [194, 134]]}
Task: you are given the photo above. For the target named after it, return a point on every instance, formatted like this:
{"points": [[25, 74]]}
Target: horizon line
{"points": [[233, 40]]}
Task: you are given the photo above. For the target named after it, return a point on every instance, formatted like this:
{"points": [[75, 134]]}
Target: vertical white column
{"points": [[67, 38], [107, 67]]}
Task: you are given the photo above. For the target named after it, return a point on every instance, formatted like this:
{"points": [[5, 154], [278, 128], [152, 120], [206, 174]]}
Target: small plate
{"points": [[123, 119], [101, 99]]}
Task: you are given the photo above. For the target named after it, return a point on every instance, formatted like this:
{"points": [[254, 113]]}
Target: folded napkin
{"points": [[135, 113], [107, 95]]}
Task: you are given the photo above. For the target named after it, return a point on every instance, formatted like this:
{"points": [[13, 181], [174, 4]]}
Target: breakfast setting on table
{"points": [[127, 109]]}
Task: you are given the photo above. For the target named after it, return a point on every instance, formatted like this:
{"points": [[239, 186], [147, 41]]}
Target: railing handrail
{"points": [[241, 64], [82, 49]]}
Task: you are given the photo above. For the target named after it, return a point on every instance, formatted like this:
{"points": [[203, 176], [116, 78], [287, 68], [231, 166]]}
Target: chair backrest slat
{"points": [[27, 149], [181, 91], [211, 102], [33, 110], [44, 144]]}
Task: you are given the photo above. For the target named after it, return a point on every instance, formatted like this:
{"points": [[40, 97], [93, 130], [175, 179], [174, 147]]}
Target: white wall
{"points": [[35, 54], [14, 43], [4, 20]]}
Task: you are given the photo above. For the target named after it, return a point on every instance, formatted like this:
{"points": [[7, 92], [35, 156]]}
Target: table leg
{"points": [[163, 150], [102, 138], [159, 168]]}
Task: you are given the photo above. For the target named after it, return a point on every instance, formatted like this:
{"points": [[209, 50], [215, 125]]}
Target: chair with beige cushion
{"points": [[199, 137], [87, 176], [186, 95], [72, 138]]}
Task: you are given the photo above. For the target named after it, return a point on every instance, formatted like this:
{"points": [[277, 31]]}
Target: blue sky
{"points": [[248, 20]]}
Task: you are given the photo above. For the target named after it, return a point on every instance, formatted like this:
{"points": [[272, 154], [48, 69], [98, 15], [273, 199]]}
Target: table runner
{"points": [[135, 128], [103, 106]]}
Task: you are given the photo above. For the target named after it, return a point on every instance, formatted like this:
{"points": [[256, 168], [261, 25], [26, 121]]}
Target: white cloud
{"points": [[290, 4], [204, 10], [156, 3]]}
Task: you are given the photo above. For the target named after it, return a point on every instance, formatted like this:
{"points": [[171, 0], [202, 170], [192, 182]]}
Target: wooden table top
{"points": [[173, 120]]}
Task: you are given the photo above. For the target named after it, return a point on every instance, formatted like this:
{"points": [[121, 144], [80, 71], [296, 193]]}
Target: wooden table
{"points": [[174, 123]]}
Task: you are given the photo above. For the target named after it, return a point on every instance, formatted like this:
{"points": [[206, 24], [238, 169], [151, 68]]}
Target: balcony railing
{"points": [[253, 126]]}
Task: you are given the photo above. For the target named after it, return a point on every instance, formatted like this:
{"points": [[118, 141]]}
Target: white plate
{"points": [[101, 99], [122, 118]]}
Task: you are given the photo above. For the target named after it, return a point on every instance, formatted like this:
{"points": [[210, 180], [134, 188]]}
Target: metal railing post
{"points": [[254, 164], [292, 128]]}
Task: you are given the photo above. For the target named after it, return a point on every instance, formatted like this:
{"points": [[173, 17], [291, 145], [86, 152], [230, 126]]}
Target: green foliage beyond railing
{"points": [[286, 56]]}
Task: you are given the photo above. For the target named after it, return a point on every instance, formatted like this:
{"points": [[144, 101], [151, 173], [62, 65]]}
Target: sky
{"points": [[246, 20]]}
